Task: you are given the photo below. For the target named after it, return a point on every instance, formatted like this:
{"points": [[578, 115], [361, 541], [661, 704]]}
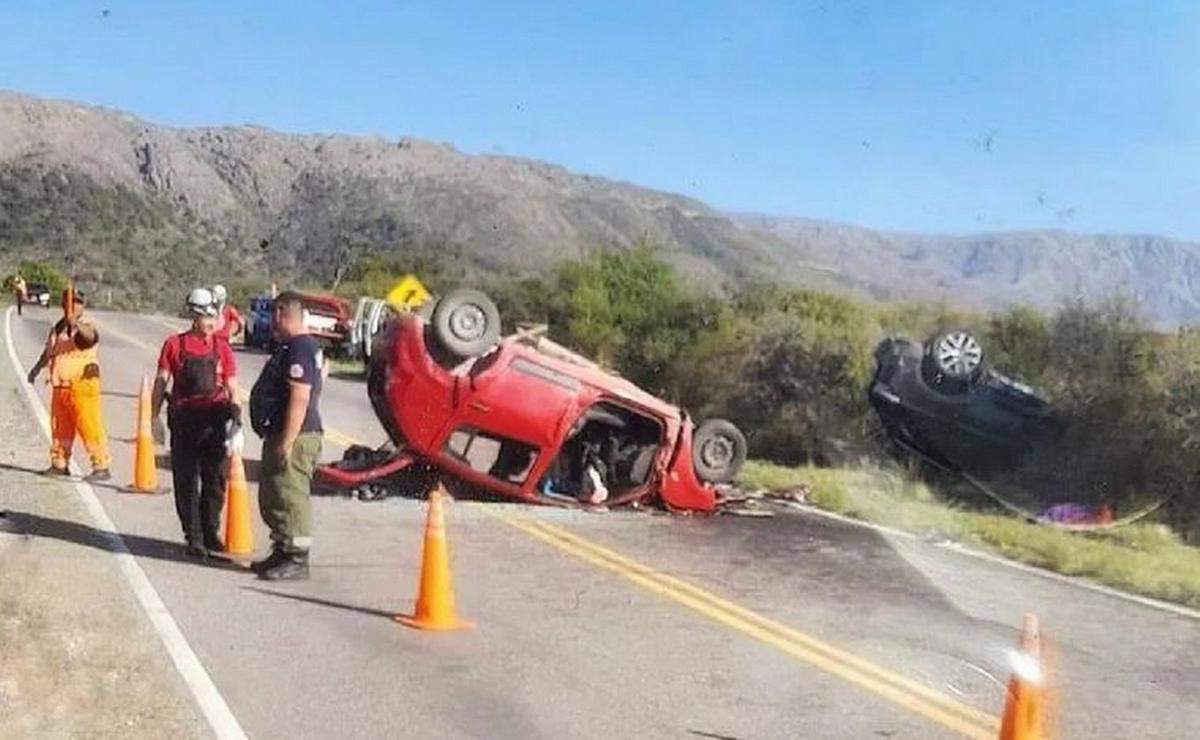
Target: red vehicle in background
{"points": [[524, 418], [328, 319]]}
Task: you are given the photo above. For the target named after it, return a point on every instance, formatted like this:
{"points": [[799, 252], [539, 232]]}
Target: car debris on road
{"points": [[738, 502]]}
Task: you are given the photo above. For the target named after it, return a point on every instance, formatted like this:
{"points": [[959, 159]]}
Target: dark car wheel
{"points": [[957, 354], [466, 323], [953, 361], [718, 451]]}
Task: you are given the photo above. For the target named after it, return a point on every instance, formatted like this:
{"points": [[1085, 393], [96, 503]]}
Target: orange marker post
{"points": [[239, 534], [1025, 702], [145, 471], [435, 600]]}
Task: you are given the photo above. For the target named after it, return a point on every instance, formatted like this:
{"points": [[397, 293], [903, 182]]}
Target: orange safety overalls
{"points": [[20, 294], [75, 402]]}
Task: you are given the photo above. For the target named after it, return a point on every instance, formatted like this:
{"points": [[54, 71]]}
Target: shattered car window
{"points": [[505, 459]]}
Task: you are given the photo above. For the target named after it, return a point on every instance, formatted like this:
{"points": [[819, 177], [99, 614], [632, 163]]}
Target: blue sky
{"points": [[940, 116]]}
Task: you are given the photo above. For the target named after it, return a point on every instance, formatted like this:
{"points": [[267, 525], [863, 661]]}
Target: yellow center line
{"points": [[339, 438], [785, 631], [932, 705], [922, 700]]}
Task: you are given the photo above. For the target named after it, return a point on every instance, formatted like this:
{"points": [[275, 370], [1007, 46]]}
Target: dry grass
{"points": [[1143, 558]]}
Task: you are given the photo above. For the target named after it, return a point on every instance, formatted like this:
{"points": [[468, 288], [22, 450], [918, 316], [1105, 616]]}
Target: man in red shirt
{"points": [[203, 404], [229, 321]]}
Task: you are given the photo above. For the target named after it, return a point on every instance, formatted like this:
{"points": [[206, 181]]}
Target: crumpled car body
{"points": [[517, 422]]}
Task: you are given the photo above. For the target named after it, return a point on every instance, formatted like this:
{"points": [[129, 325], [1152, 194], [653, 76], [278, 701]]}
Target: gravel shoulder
{"points": [[78, 658]]}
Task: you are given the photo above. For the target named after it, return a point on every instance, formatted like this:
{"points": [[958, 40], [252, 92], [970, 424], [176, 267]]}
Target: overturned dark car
{"points": [[941, 402]]}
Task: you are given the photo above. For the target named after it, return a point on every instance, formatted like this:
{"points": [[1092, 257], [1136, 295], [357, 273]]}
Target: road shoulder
{"points": [[79, 658]]}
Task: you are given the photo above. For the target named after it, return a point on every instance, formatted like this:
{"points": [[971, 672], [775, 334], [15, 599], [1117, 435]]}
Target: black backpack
{"points": [[198, 372], [268, 396]]}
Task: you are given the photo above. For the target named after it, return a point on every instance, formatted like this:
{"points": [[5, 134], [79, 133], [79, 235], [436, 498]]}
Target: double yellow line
{"points": [[915, 697], [932, 705]]}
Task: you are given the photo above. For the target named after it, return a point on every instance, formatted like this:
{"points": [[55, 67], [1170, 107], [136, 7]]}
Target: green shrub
{"points": [[42, 272]]}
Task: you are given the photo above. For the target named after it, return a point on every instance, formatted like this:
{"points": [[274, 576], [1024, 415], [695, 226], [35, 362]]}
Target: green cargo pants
{"points": [[284, 491]]}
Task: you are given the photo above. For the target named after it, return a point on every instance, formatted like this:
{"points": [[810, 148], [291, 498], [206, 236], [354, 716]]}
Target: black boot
{"points": [[293, 567], [276, 557], [195, 550], [99, 475], [213, 544]]}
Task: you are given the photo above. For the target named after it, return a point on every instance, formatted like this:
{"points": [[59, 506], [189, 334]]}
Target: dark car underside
{"points": [[940, 402]]}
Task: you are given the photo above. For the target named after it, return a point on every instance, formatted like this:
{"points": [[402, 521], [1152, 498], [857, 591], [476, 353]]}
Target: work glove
{"points": [[158, 430]]}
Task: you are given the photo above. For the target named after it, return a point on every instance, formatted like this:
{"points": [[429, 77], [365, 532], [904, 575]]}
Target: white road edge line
{"points": [[220, 718], [1166, 606]]}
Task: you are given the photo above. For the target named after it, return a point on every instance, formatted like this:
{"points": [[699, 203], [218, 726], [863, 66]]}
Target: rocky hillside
{"points": [[143, 209], [989, 270]]}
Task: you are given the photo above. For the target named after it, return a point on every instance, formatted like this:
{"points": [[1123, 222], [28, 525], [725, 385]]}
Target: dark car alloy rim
{"points": [[468, 323], [958, 354], [717, 453]]}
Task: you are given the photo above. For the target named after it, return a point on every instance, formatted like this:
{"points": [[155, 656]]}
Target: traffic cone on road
{"points": [[145, 471], [1025, 704], [239, 535], [435, 600]]}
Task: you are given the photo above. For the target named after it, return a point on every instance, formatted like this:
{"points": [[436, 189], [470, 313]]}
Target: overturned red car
{"points": [[524, 418]]}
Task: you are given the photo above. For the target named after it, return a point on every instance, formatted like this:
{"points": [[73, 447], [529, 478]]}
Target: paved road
{"points": [[627, 624]]}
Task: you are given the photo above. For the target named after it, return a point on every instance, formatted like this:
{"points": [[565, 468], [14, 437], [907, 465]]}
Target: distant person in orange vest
{"points": [[20, 292], [229, 321], [203, 413], [72, 352]]}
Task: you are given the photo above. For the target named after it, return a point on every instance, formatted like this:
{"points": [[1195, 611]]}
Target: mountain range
{"points": [[144, 210]]}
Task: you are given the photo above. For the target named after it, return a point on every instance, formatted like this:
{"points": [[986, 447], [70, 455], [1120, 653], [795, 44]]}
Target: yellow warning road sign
{"points": [[408, 294]]}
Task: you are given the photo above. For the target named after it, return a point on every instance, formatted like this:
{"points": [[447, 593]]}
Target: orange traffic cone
{"points": [[145, 472], [1025, 704], [435, 601], [239, 536]]}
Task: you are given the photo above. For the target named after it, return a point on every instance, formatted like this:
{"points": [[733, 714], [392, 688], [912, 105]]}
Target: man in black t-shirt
{"points": [[284, 412]]}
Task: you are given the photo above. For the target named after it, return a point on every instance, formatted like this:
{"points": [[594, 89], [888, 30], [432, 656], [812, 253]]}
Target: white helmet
{"points": [[200, 302], [219, 295]]}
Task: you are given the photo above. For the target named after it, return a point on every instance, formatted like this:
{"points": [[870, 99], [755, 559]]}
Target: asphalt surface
{"points": [[625, 624], [78, 658]]}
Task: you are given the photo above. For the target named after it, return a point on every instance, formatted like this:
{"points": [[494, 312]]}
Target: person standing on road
{"points": [[20, 292], [202, 412], [72, 352], [229, 321], [284, 412]]}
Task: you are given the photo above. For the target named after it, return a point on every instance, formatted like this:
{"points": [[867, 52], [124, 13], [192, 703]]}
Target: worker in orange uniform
{"points": [[20, 292], [72, 352]]}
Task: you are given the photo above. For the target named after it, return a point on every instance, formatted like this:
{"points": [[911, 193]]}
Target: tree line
{"points": [[791, 366]]}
